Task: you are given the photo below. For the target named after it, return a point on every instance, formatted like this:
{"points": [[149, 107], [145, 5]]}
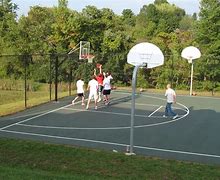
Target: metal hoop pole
{"points": [[134, 80], [191, 81]]}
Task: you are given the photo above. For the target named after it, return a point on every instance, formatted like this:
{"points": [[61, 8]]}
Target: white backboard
{"points": [[145, 53], [191, 53]]}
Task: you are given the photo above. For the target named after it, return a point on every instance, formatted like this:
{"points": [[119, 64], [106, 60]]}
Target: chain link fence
{"points": [[28, 80]]}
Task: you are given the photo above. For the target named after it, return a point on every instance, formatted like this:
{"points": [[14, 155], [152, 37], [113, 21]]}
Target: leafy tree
{"points": [[9, 34], [62, 3], [187, 23], [8, 26], [208, 37], [169, 16], [8, 6], [61, 34], [56, 30], [156, 18], [160, 2], [146, 22], [128, 17], [35, 30]]}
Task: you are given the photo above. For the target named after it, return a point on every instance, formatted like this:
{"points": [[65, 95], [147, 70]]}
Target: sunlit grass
{"points": [[13, 101]]}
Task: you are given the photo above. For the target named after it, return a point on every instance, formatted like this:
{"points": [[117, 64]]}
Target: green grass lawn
{"points": [[12, 96], [35, 160], [13, 101]]}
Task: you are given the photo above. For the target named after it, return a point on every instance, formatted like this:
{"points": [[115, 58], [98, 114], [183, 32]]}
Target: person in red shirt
{"points": [[99, 78]]}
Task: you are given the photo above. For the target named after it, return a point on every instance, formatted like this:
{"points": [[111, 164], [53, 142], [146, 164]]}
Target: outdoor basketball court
{"points": [[193, 136]]}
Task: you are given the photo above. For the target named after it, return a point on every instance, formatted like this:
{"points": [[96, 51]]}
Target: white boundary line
{"points": [[103, 142], [47, 112], [84, 128], [156, 98], [109, 143], [125, 127], [107, 128], [104, 112], [25, 120], [117, 144], [140, 104], [155, 111], [31, 114], [179, 152], [187, 96], [153, 105], [40, 112]]}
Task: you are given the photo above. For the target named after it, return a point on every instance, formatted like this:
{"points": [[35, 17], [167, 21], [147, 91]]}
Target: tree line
{"points": [[56, 30]]}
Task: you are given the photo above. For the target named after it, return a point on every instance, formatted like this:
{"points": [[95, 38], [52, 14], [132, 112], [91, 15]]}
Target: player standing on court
{"points": [[93, 91], [79, 91], [107, 87], [171, 98]]}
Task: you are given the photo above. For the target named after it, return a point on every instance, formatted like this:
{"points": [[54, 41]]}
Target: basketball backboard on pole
{"points": [[141, 55], [83, 49], [191, 53], [145, 53]]}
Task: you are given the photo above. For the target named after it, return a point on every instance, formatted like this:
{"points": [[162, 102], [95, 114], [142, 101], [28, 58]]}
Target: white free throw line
{"points": [[104, 112], [35, 117], [155, 111]]}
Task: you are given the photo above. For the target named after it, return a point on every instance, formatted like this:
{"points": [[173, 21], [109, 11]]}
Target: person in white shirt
{"points": [[79, 91], [171, 98], [93, 91], [107, 88]]}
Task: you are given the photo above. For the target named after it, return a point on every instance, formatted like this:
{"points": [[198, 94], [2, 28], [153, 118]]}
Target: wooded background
{"points": [[36, 40]]}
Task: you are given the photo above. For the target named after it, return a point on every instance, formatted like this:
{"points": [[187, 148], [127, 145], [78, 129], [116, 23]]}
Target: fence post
{"points": [[25, 80], [56, 77], [70, 79], [50, 76]]}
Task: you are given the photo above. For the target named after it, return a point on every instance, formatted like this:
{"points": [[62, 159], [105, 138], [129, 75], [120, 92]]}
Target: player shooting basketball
{"points": [[99, 78]]}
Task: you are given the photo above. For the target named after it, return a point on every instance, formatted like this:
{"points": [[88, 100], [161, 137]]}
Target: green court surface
{"points": [[193, 136]]}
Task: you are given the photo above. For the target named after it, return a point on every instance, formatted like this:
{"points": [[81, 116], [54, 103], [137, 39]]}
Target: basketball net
{"points": [[90, 58], [145, 58]]}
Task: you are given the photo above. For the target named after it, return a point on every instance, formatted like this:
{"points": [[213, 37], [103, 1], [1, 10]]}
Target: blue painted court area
{"points": [[193, 136]]}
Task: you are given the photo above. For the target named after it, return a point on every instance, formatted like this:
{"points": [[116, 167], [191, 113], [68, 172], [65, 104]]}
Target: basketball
{"points": [[98, 65]]}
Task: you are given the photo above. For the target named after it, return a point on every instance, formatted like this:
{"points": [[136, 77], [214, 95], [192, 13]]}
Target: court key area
{"points": [[192, 136]]}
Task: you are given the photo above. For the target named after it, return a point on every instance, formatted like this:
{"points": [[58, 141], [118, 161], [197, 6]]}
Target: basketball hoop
{"points": [[145, 54], [84, 49], [191, 53], [83, 56], [90, 58]]}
